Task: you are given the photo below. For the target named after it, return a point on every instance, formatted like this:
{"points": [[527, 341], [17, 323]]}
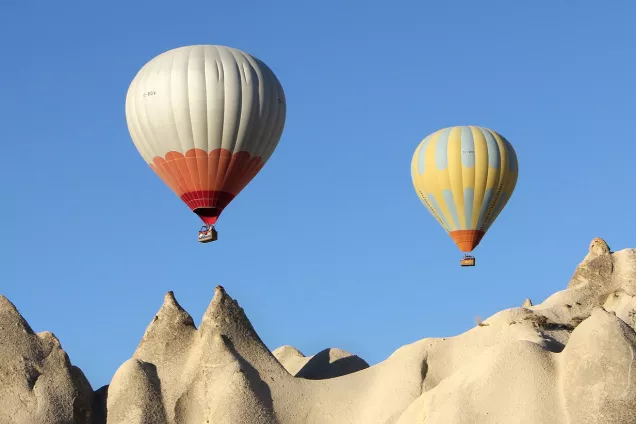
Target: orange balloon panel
{"points": [[207, 183]]}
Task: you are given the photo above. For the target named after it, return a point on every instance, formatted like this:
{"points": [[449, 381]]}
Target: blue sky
{"points": [[329, 246]]}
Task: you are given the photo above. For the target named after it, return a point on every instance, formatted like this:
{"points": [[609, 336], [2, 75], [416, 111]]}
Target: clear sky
{"points": [[329, 246]]}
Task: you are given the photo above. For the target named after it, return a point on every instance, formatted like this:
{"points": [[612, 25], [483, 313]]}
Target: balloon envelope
{"points": [[464, 175], [206, 119]]}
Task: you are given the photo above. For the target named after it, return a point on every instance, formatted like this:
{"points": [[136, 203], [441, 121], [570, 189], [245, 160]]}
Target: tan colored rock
{"points": [[598, 371], [511, 381], [134, 395], [38, 383], [213, 374], [291, 358], [598, 247], [328, 363]]}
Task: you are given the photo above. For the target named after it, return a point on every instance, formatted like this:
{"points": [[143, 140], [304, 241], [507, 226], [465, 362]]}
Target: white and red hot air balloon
{"points": [[206, 119]]}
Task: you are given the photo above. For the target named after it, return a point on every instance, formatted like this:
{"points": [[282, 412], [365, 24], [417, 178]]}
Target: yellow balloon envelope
{"points": [[465, 175]]}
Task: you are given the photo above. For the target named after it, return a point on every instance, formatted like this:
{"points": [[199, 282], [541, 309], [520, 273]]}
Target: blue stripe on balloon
{"points": [[437, 209], [500, 204], [488, 194], [421, 155], [512, 158], [468, 147], [450, 203], [494, 161], [441, 149]]}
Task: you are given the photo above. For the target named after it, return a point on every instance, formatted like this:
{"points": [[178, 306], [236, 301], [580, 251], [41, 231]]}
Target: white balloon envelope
{"points": [[206, 119]]}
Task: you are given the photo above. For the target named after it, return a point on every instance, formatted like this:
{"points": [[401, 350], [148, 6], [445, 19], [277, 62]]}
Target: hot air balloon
{"points": [[464, 175], [206, 119]]}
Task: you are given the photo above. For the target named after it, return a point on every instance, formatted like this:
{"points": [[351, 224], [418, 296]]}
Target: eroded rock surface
{"points": [[38, 384]]}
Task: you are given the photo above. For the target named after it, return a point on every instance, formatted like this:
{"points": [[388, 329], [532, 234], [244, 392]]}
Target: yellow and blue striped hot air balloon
{"points": [[465, 175]]}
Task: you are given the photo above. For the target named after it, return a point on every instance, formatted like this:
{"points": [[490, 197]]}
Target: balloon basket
{"points": [[208, 234]]}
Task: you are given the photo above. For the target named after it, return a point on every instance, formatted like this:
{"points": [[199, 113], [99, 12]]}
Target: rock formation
{"points": [[569, 359], [328, 363], [38, 384]]}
